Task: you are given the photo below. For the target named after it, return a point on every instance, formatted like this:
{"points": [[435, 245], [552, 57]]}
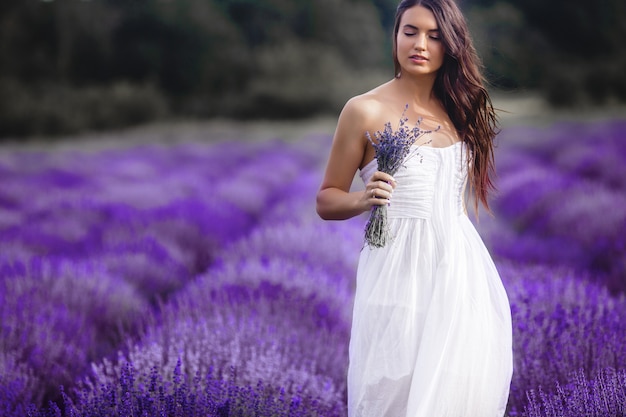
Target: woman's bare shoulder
{"points": [[369, 106]]}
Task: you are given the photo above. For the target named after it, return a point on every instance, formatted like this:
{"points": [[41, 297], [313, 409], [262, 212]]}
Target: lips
{"points": [[418, 58]]}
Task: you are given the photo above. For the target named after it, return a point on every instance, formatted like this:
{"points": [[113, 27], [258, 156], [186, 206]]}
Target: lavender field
{"points": [[195, 279]]}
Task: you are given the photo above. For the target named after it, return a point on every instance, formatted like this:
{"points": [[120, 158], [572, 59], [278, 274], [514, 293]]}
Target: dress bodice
{"points": [[431, 181]]}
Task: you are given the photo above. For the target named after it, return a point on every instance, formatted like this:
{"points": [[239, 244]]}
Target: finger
{"points": [[385, 186], [380, 201], [380, 194], [384, 177]]}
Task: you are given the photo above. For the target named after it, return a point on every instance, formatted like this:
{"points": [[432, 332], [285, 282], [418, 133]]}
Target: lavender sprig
{"points": [[392, 149]]}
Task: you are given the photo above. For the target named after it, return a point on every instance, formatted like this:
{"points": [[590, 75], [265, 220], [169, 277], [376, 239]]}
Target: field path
{"points": [[514, 109]]}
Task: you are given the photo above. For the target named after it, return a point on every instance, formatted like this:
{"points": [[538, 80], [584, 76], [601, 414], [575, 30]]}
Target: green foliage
{"points": [[497, 30], [573, 50], [285, 58], [237, 58], [52, 109]]}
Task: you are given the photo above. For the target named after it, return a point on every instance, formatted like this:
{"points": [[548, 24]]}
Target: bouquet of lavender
{"points": [[392, 149]]}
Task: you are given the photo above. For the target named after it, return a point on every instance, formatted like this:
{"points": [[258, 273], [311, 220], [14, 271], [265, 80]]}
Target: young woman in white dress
{"points": [[431, 331]]}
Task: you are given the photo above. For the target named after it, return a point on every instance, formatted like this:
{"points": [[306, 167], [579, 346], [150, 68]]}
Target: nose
{"points": [[420, 42]]}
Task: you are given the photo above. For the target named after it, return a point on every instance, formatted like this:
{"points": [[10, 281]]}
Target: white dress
{"points": [[431, 332]]}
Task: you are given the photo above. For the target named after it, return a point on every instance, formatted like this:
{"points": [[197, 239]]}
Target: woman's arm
{"points": [[334, 199]]}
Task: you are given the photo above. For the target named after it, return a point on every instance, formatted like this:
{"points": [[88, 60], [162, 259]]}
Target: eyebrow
{"points": [[416, 28]]}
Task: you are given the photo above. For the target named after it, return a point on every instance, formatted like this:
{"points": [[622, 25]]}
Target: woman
{"points": [[431, 332]]}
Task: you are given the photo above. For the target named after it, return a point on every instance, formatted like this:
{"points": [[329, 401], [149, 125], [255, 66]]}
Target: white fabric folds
{"points": [[431, 331]]}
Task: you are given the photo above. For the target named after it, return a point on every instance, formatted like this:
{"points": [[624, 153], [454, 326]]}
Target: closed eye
{"points": [[410, 30]]}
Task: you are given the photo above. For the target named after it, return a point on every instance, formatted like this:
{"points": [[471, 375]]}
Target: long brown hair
{"points": [[460, 87]]}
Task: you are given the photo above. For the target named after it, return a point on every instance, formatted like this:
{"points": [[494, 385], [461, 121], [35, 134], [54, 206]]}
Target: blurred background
{"points": [[68, 66]]}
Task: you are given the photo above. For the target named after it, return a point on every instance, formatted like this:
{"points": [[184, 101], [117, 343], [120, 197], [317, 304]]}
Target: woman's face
{"points": [[420, 50]]}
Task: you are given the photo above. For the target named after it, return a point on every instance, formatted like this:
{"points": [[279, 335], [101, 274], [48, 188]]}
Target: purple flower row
{"points": [[207, 270], [56, 317], [601, 396], [114, 231], [560, 196], [562, 323], [275, 308]]}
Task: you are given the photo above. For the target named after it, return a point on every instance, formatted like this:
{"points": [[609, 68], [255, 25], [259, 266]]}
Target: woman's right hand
{"points": [[378, 190], [335, 200]]}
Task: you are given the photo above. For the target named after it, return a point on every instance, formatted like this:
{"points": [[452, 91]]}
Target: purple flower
{"points": [[562, 322], [392, 148], [603, 395], [56, 317]]}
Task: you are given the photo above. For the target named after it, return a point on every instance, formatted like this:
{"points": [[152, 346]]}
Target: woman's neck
{"points": [[417, 92]]}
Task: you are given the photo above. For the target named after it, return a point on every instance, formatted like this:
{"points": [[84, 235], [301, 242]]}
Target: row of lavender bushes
{"points": [[195, 279], [562, 195], [559, 236]]}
